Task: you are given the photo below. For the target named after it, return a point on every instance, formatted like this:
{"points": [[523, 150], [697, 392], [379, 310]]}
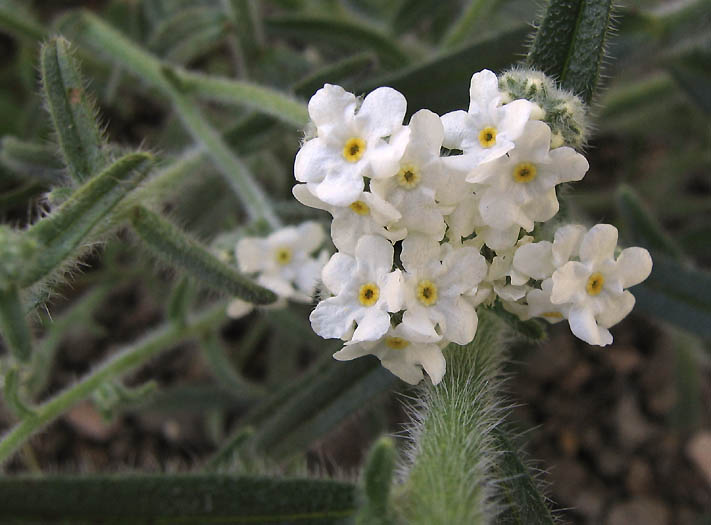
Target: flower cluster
{"points": [[283, 262], [430, 220]]}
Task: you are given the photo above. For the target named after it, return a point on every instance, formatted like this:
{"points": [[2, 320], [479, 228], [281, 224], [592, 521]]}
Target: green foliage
{"points": [[377, 478], [73, 114], [13, 324], [174, 247], [570, 43], [194, 498], [691, 71]]}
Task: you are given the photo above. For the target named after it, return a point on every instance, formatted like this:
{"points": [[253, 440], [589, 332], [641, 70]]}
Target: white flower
{"points": [[488, 129], [540, 259], [367, 215], [403, 352], [413, 190], [519, 188], [350, 142], [435, 279], [283, 260], [594, 288], [365, 289], [508, 283]]}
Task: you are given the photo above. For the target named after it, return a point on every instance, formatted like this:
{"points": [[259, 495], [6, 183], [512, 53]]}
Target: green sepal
{"points": [[13, 324], [569, 43], [12, 394], [186, 498], [174, 247], [73, 113], [377, 480], [61, 232]]}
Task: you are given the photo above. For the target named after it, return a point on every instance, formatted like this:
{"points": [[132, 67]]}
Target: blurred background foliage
{"points": [[650, 158]]}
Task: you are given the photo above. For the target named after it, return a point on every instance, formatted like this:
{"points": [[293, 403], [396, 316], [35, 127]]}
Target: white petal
{"points": [[374, 255], [338, 272], [535, 260], [499, 211], [353, 351], [483, 89], [400, 367], [371, 326], [418, 251], [331, 106], [464, 269], [566, 243], [583, 325], [569, 282], [457, 129], [515, 116], [599, 243], [334, 317], [458, 320], [426, 132], [416, 321], [302, 194], [341, 186], [633, 266], [276, 284], [500, 239], [251, 254], [543, 207], [431, 359], [384, 158], [391, 290], [382, 112], [569, 164], [313, 161], [311, 236], [239, 308], [534, 143], [382, 211], [616, 309]]}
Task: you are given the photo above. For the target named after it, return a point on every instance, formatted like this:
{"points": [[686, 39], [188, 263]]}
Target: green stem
{"points": [[116, 365]]}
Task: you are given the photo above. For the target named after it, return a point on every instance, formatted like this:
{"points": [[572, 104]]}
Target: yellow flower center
{"points": [[595, 283], [524, 172], [354, 149], [397, 343], [360, 207], [408, 177], [368, 294], [427, 292], [552, 315], [487, 137], [283, 255]]}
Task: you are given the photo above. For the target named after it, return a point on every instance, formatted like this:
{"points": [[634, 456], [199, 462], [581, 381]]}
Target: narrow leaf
{"points": [[642, 227], [473, 14], [523, 503], [224, 370], [73, 114], [18, 21], [179, 301], [192, 498], [377, 480], [30, 160], [570, 43], [333, 30], [692, 71], [13, 324], [12, 394], [247, 25], [174, 247], [62, 231]]}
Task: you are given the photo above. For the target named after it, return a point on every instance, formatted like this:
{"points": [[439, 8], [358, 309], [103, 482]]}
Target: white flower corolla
{"points": [[594, 288], [351, 142], [403, 352], [488, 130], [508, 283], [435, 279], [368, 214], [365, 289], [466, 219], [539, 304], [283, 261], [519, 188], [540, 259], [413, 190]]}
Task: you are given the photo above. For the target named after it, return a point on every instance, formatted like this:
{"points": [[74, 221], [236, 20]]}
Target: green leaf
{"points": [[677, 294], [61, 233], [341, 71], [188, 33], [12, 394], [692, 71], [13, 324], [377, 480], [30, 160], [642, 227], [440, 84], [73, 113], [570, 43], [247, 25], [224, 370], [522, 501], [473, 15], [16, 19], [179, 301], [174, 247], [333, 30], [191, 498]]}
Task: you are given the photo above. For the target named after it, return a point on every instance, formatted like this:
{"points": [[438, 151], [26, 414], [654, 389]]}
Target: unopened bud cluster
{"points": [[430, 220]]}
